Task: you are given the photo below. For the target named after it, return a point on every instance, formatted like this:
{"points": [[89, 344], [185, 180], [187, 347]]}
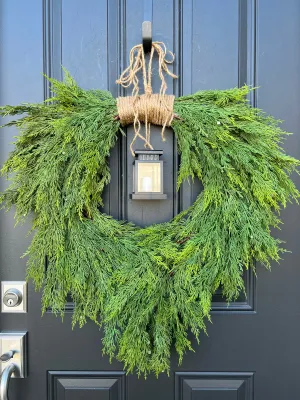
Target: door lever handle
{"points": [[5, 379]]}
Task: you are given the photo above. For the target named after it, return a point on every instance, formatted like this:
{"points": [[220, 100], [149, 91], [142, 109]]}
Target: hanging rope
{"points": [[149, 108]]}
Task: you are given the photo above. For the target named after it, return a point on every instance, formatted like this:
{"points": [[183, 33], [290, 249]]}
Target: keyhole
{"points": [[10, 302]]}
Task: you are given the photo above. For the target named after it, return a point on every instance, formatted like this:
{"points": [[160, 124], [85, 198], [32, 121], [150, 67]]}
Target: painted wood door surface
{"points": [[252, 350]]}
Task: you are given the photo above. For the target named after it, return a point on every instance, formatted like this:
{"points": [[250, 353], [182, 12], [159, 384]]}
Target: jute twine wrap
{"points": [[149, 108]]}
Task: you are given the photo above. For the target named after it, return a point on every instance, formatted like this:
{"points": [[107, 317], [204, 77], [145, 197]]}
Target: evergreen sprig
{"points": [[148, 286]]}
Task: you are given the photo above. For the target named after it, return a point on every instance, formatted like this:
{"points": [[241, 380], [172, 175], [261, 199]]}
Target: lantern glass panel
{"points": [[149, 177]]}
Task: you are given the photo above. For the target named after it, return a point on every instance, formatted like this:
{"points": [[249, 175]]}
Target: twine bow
{"points": [[148, 108]]}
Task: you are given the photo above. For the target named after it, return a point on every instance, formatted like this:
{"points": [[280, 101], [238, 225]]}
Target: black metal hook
{"points": [[147, 36], [147, 26]]}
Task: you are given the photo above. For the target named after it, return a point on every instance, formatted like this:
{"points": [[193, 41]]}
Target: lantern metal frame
{"points": [[136, 195]]}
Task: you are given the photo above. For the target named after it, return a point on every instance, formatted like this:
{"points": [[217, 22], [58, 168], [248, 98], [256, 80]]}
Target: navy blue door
{"points": [[252, 351]]}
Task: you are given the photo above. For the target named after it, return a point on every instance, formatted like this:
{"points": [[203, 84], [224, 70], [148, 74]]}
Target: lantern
{"points": [[148, 175]]}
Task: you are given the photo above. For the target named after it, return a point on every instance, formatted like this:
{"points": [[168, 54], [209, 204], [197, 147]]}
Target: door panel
{"points": [[86, 385], [213, 386], [252, 350]]}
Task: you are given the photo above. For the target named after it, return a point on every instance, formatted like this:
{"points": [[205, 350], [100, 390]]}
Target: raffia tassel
{"points": [[149, 108]]}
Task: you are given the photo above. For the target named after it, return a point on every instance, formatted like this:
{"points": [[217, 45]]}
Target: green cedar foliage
{"points": [[146, 287]]}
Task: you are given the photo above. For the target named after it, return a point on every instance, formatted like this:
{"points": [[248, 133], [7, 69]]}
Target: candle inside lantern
{"points": [[149, 179], [146, 184]]}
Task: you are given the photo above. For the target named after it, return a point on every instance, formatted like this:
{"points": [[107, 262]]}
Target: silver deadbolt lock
{"points": [[12, 297]]}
